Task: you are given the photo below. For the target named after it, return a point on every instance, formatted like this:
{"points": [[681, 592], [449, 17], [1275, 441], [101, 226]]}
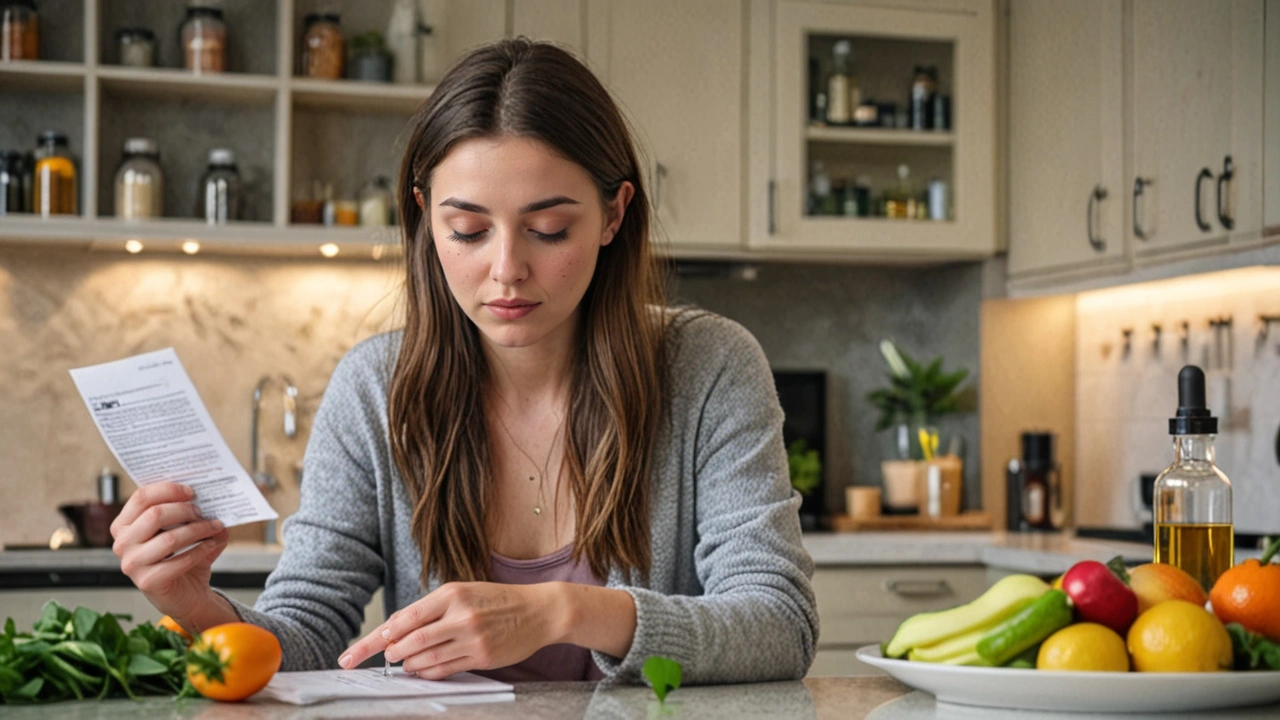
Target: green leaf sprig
{"points": [[805, 467], [663, 674], [74, 655], [1251, 650], [915, 389]]}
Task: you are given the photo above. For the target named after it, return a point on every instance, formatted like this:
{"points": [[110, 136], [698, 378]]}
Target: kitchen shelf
{"points": [[880, 136], [42, 75], [171, 82], [358, 96], [241, 238]]}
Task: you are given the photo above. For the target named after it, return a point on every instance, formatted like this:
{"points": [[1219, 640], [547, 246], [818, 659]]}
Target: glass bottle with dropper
{"points": [[1192, 497]]}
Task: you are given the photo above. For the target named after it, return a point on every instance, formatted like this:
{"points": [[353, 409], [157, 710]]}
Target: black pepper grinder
{"points": [[1034, 484]]}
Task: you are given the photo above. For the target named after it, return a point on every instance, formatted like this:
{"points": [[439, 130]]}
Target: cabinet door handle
{"points": [[918, 588], [773, 225], [1139, 184], [659, 172], [1228, 174], [1098, 195], [1200, 223]]}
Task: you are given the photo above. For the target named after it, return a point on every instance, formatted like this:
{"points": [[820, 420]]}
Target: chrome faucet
{"points": [[263, 479]]}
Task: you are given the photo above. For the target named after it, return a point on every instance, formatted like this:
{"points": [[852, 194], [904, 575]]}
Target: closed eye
{"points": [[552, 237], [464, 237]]}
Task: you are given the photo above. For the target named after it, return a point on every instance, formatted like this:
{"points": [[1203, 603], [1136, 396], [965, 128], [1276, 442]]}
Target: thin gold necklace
{"points": [[537, 507]]}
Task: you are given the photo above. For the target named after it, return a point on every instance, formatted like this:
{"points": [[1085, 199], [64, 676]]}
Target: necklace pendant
{"points": [[537, 510]]}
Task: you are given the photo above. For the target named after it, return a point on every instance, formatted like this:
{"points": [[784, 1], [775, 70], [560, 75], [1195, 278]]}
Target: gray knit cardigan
{"points": [[728, 595]]}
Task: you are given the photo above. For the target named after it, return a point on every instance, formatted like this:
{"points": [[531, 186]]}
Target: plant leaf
{"points": [[83, 619], [30, 690], [663, 674], [141, 665]]}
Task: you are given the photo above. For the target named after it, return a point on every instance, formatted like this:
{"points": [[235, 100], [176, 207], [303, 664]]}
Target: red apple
{"points": [[1100, 596], [1157, 582]]}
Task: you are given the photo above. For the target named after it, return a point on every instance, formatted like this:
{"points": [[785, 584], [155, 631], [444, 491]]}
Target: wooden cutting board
{"points": [[971, 520]]}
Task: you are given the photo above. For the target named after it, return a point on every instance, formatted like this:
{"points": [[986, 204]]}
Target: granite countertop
{"points": [[846, 698], [1037, 553]]}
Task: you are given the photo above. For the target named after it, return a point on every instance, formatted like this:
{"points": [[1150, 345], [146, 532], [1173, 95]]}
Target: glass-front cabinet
{"points": [[881, 131]]}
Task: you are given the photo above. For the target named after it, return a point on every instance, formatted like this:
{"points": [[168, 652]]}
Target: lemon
{"points": [[1178, 636], [1084, 646]]}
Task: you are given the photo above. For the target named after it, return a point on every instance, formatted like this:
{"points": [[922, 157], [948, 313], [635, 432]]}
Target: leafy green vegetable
{"points": [[1252, 651], [83, 654], [805, 466], [663, 674]]}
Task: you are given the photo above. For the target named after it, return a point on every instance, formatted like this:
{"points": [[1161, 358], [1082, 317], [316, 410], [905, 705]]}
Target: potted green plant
{"points": [[369, 58], [916, 396]]}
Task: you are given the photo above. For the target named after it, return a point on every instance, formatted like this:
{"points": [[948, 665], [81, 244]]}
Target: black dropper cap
{"points": [[1193, 417]]}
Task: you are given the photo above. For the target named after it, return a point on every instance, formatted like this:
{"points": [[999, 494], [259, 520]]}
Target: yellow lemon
{"points": [[1084, 646], [1178, 636]]}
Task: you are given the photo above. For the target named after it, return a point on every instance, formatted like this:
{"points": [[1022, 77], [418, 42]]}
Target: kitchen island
{"points": [[846, 698]]}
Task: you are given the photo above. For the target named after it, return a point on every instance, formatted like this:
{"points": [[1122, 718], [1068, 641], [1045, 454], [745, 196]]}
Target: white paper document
{"points": [[315, 686], [158, 428]]}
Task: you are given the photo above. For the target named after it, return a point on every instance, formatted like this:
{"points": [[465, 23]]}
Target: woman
{"points": [[551, 476]]}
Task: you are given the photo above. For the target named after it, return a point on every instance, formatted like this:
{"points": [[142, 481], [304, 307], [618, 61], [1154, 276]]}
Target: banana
{"points": [[1001, 600], [959, 645]]}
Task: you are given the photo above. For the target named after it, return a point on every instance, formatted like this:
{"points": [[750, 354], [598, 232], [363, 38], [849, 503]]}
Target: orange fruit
{"points": [[1084, 647], [1156, 582], [1178, 636], [170, 624], [1249, 594]]}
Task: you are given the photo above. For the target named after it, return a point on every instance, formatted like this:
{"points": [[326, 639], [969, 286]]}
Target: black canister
{"points": [[108, 487], [17, 177]]}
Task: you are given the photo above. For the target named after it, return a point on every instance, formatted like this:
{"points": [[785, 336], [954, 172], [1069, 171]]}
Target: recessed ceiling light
{"points": [[329, 250], [133, 246], [191, 247]]}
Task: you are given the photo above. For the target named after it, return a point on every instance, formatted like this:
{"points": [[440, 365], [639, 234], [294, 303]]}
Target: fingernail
{"points": [[217, 524], [386, 633], [191, 492], [345, 661]]}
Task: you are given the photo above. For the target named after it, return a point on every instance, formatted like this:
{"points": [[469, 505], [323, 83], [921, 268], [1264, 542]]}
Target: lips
{"points": [[512, 309]]}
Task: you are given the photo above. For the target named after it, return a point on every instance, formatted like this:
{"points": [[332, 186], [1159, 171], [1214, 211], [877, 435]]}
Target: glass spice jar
{"points": [[139, 181], [137, 47], [203, 36], [19, 30], [323, 47], [55, 191]]}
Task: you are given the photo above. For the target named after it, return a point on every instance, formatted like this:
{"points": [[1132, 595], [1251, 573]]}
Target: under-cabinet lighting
{"points": [[329, 250], [191, 247], [133, 247], [377, 251]]}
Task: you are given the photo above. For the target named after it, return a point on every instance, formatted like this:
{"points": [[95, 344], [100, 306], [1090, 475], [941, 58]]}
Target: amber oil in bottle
{"points": [[1193, 524]]}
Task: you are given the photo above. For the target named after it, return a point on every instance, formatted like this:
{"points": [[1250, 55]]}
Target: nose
{"points": [[509, 265]]}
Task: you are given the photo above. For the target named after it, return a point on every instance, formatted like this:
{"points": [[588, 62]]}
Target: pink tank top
{"points": [[554, 662]]}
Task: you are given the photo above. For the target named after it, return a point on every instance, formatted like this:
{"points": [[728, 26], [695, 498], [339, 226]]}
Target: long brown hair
{"points": [[438, 439]]}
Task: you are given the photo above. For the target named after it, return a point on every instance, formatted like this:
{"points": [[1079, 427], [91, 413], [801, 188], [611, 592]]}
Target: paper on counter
{"points": [[315, 686], [158, 428]]}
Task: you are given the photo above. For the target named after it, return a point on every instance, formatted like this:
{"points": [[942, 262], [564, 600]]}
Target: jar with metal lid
{"points": [[56, 190], [323, 46], [139, 181], [19, 30], [219, 200], [375, 202], [203, 36], [137, 47], [12, 194]]}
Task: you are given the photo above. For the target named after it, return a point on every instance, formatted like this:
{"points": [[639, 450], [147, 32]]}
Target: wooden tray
{"points": [[972, 520]]}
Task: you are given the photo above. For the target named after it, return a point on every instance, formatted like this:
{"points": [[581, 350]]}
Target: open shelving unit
{"points": [[287, 131]]}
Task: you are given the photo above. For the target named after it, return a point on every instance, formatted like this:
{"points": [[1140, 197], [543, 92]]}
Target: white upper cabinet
{"points": [[1067, 189], [558, 21], [1197, 110], [828, 184], [1271, 130], [676, 68]]}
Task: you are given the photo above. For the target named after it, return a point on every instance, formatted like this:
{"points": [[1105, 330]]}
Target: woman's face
{"points": [[518, 229]]}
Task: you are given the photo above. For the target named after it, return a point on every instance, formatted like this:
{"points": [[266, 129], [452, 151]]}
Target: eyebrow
{"points": [[531, 207]]}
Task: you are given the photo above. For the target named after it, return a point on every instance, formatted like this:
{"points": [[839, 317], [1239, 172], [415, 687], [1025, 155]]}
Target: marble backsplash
{"points": [[231, 321], [1127, 390], [234, 320]]}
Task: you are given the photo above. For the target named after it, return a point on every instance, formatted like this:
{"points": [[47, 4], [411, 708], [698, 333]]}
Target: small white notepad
{"points": [[315, 686]]}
